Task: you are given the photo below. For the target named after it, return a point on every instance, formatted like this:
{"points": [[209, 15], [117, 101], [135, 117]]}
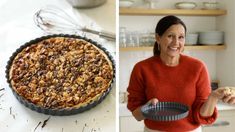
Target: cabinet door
{"points": [[130, 124], [224, 123]]}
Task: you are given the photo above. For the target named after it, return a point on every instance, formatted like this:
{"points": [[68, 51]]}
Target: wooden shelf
{"points": [[187, 47], [183, 12], [205, 47]]}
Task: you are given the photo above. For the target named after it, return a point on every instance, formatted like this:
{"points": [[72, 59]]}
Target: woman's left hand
{"points": [[230, 99], [221, 94]]}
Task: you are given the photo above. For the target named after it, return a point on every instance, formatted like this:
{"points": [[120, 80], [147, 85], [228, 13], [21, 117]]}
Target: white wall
{"points": [[225, 60], [148, 23], [126, 62], [193, 23]]}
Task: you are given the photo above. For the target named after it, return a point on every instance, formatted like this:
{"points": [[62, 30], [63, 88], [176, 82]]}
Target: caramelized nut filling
{"points": [[61, 72]]}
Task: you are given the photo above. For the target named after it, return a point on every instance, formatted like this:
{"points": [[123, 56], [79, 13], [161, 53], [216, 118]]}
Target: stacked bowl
{"points": [[191, 38], [211, 37]]}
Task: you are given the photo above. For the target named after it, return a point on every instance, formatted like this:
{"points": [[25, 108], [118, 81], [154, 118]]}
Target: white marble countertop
{"points": [[16, 28]]}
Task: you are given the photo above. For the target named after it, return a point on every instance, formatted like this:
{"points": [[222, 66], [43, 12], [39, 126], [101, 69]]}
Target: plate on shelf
{"points": [[126, 3], [185, 5], [210, 5]]}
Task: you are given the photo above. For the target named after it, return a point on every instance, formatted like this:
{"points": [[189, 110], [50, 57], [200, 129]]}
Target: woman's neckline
{"points": [[177, 63]]}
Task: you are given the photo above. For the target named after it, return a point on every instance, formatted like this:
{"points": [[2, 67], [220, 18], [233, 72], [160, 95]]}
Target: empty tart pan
{"points": [[165, 111]]}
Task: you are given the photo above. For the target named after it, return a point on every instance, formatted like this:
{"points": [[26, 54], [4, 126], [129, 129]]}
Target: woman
{"points": [[170, 76]]}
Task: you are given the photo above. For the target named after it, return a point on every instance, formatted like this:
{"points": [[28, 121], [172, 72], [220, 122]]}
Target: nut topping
{"points": [[61, 72]]}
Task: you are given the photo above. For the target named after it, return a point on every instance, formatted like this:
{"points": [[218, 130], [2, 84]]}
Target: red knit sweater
{"points": [[187, 83]]}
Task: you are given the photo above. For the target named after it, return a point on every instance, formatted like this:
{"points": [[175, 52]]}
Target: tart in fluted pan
{"points": [[60, 72]]}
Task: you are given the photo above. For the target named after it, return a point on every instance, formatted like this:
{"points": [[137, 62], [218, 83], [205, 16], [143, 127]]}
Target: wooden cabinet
{"points": [[224, 123]]}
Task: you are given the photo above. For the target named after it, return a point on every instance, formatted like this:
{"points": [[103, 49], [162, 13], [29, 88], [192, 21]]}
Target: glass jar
{"points": [[122, 37]]}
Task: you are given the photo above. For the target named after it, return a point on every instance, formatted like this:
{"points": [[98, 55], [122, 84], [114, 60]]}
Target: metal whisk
{"points": [[53, 19]]}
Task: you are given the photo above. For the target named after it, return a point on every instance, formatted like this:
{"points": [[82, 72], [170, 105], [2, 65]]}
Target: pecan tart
{"points": [[229, 91], [60, 74]]}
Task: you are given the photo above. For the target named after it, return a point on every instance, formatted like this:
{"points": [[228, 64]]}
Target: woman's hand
{"points": [[218, 93], [137, 112], [230, 99], [153, 101], [223, 94]]}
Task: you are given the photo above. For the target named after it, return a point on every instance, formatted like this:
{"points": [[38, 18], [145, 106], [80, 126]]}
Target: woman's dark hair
{"points": [[162, 26]]}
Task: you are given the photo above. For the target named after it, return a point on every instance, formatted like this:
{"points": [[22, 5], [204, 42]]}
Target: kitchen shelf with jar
{"points": [[187, 47], [183, 12]]}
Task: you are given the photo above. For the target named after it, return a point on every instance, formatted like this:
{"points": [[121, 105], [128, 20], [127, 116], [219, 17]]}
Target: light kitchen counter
{"points": [[222, 106], [16, 28]]}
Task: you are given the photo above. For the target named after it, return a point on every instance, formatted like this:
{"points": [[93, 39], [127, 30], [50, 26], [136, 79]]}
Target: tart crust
{"points": [[61, 72], [230, 91]]}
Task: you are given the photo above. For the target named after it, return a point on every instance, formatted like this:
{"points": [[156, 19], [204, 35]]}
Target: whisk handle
{"points": [[107, 35], [102, 34]]}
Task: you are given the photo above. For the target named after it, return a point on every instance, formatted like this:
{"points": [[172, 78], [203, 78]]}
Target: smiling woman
{"points": [[170, 40], [168, 29], [171, 43], [170, 76]]}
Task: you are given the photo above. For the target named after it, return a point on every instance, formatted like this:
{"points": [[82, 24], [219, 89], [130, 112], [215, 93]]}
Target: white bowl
{"points": [[86, 3], [191, 38], [211, 37], [125, 3], [210, 5], [185, 5]]}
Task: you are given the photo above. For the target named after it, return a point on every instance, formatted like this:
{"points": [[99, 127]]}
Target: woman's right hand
{"points": [[137, 112], [153, 101]]}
